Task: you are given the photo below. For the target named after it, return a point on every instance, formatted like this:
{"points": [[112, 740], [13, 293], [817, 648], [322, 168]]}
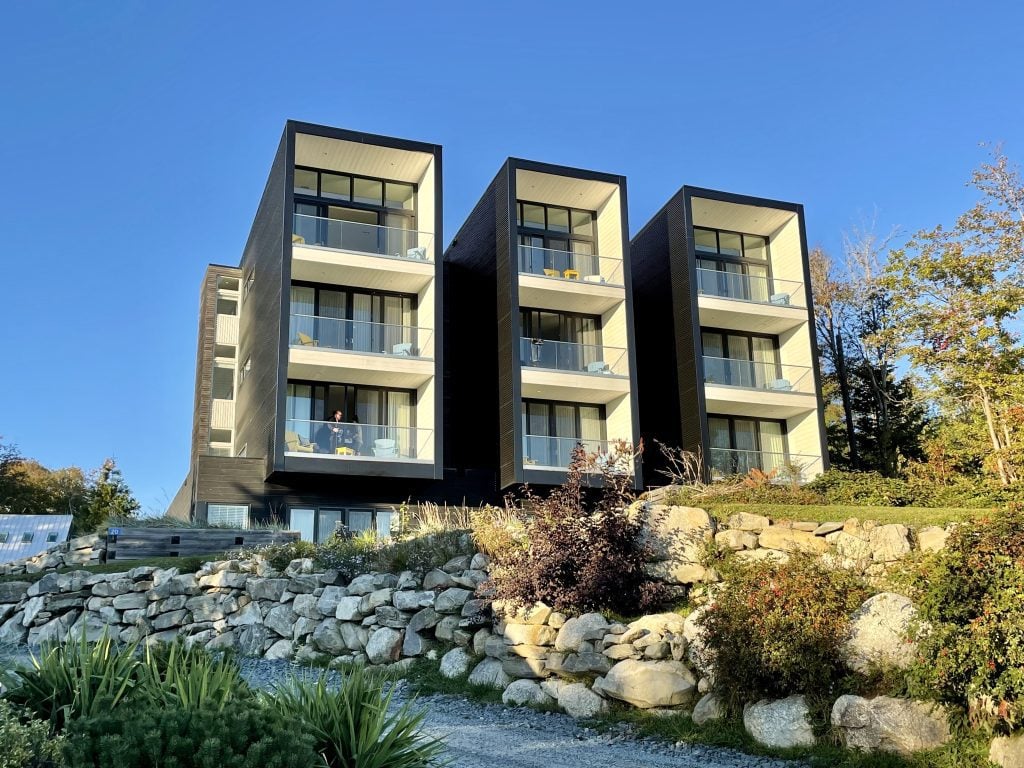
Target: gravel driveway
{"points": [[480, 735]]}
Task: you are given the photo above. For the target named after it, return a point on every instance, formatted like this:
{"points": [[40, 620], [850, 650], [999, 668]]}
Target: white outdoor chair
{"points": [[385, 447]]}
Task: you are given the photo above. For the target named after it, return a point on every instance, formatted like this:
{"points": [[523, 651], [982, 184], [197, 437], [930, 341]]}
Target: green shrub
{"points": [[26, 743], [776, 629], [863, 488], [364, 552], [74, 679], [580, 559], [351, 725], [150, 736], [192, 678], [280, 555], [971, 594], [500, 532]]}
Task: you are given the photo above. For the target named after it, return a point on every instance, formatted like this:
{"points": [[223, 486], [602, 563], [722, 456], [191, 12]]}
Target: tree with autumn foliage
{"points": [[958, 302]]}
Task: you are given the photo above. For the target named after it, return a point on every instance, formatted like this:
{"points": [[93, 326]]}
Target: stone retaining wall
{"points": [[84, 550]]}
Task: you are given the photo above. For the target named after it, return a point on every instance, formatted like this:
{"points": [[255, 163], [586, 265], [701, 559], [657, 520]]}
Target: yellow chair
{"points": [[295, 444], [298, 239], [552, 273], [342, 450], [571, 274], [308, 341]]}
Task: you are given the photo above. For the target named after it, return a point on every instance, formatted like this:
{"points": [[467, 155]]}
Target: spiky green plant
{"points": [[190, 677], [74, 679], [351, 723]]}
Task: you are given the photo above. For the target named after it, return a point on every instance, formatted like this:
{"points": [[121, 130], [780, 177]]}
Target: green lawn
{"points": [[821, 513], [183, 564]]}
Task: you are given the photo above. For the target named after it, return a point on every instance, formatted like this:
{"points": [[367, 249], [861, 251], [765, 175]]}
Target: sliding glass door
{"points": [[737, 445], [551, 431]]}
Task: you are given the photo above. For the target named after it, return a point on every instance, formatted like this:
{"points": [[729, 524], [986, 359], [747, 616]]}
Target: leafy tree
{"points": [[956, 296], [890, 426], [108, 496]]}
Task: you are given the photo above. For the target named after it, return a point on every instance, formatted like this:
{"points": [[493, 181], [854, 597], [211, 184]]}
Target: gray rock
{"points": [[932, 539], [787, 539], [389, 616], [455, 663], [480, 638], [457, 564], [517, 667], [414, 644], [327, 605], [306, 605], [384, 646], [89, 625], [424, 619], [745, 521], [33, 606], [589, 626], [348, 609], [446, 628], [303, 584], [648, 684], [204, 608], [59, 629], [280, 651], [224, 580], [824, 529], [889, 725], [530, 634], [437, 579], [708, 709], [480, 562], [249, 614], [781, 723], [489, 672], [354, 636], [407, 580], [184, 584], [303, 628], [168, 620], [580, 702], [519, 693], [413, 601], [1007, 751], [678, 533], [879, 633], [889, 543], [369, 602], [327, 638], [736, 540], [266, 589], [281, 620], [452, 600], [222, 642], [13, 632], [112, 588], [13, 591], [252, 638], [362, 585]]}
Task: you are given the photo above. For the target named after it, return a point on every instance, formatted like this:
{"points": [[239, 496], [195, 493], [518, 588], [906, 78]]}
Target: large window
{"points": [[551, 430], [370, 415], [228, 515], [556, 239], [732, 264], [344, 318], [318, 523], [354, 212], [739, 359], [559, 340], [738, 445]]}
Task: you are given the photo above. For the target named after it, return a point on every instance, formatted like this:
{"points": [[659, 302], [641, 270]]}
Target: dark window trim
{"points": [[350, 291], [529, 332], [757, 433], [322, 202], [724, 257], [382, 403], [549, 234], [552, 421]]}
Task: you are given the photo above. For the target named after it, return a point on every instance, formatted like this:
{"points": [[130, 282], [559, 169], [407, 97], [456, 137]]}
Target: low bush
{"points": [[351, 725], [500, 532], [864, 488], [25, 742], [580, 559], [74, 679], [971, 596], [280, 555], [775, 629], [353, 555], [149, 736]]}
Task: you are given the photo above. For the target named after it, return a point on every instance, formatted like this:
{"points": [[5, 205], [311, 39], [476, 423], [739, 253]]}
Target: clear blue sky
{"points": [[137, 138]]}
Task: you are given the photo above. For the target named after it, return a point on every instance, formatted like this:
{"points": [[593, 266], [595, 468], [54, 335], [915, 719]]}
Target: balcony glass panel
{"points": [[726, 462], [571, 357], [731, 283], [752, 374], [567, 265], [311, 331], [348, 440], [543, 452], [352, 230]]}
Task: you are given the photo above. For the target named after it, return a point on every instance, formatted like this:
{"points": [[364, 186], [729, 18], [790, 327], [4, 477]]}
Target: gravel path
{"points": [[480, 735]]}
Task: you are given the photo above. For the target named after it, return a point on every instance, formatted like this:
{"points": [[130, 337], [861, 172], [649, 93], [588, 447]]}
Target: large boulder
{"points": [[889, 542], [781, 723], [281, 619], [879, 632], [1007, 751], [889, 725], [413, 601], [744, 521], [788, 539], [580, 702], [385, 645], [327, 638], [708, 709], [252, 638], [522, 692], [678, 533], [697, 652], [648, 684], [489, 672], [347, 609], [452, 600], [327, 605], [13, 591], [530, 634], [589, 626], [932, 538], [455, 663]]}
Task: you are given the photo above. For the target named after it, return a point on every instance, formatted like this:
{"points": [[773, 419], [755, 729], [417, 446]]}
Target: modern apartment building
{"points": [[540, 326], [335, 307], [725, 335]]}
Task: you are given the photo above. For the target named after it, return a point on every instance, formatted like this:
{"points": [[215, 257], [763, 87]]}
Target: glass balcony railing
{"points": [[565, 265], [750, 374], [393, 242], [576, 358], [726, 462], [543, 452], [753, 288], [346, 440], [360, 336]]}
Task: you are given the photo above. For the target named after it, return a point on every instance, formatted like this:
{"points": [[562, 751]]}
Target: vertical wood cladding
{"points": [[471, 339], [510, 449], [260, 326]]}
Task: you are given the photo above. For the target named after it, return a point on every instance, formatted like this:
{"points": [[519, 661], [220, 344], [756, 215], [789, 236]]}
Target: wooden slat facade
{"points": [[139, 543]]}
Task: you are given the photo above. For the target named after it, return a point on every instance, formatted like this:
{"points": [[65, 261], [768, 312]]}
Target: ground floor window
{"points": [[551, 430], [228, 515], [317, 523], [737, 445]]}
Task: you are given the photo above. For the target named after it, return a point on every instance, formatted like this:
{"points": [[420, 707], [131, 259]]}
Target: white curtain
{"points": [[764, 366], [302, 320], [362, 316], [773, 446], [400, 415]]}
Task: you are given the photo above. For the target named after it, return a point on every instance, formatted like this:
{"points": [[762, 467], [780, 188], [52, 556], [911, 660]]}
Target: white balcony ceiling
{"points": [[736, 315], [562, 190], [359, 158], [569, 295], [766, 404], [738, 218], [328, 265], [544, 384], [338, 367]]}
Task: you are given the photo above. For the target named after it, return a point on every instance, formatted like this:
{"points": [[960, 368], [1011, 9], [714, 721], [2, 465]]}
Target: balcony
{"points": [[361, 255], [750, 388], [749, 302], [379, 354], [555, 453], [726, 462], [350, 442], [585, 373], [577, 282]]}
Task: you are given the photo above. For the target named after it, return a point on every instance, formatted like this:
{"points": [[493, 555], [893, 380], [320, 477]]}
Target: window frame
{"points": [[247, 519], [743, 260], [346, 509], [547, 235], [382, 210], [351, 398], [757, 421]]}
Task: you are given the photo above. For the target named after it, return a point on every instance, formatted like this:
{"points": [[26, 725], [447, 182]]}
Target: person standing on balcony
{"points": [[351, 435], [328, 437]]}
